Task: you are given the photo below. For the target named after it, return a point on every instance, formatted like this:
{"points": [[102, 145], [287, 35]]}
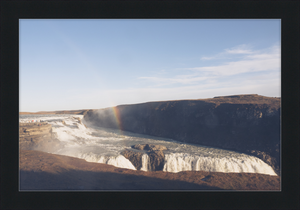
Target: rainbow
{"points": [[118, 118]]}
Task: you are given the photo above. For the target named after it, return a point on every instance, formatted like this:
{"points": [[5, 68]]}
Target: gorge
{"points": [[229, 136], [245, 123]]}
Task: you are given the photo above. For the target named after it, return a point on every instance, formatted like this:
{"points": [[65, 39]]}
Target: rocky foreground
{"points": [[44, 171]]}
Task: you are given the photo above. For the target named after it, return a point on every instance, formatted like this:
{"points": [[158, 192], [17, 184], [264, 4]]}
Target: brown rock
{"points": [[149, 147], [155, 153], [157, 160], [139, 146], [155, 147], [267, 158], [29, 129], [78, 119], [134, 157]]}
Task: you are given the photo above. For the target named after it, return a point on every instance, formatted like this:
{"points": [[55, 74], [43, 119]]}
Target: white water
{"points": [[242, 163], [145, 163], [102, 145]]}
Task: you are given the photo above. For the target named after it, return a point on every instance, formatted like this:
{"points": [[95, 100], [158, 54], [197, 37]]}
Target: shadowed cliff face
{"points": [[245, 123]]}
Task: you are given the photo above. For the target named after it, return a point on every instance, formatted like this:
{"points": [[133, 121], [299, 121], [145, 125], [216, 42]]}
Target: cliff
{"points": [[37, 136], [244, 123]]}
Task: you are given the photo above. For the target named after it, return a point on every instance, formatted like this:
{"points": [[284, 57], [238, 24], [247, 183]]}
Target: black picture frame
{"points": [[12, 11]]}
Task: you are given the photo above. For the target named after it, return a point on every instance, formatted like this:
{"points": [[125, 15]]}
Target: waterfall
{"points": [[177, 162], [145, 163], [103, 145]]}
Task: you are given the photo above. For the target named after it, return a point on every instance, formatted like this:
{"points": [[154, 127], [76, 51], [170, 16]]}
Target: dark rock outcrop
{"points": [[157, 160], [149, 147], [267, 158], [156, 156], [242, 123], [134, 157]]}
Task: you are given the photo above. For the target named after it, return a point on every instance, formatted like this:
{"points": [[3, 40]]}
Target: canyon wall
{"points": [[243, 123]]}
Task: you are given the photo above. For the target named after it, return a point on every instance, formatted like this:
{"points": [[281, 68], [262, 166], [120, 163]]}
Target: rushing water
{"points": [[102, 145]]}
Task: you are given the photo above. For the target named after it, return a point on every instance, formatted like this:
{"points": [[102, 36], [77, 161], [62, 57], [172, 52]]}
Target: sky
{"points": [[71, 64]]}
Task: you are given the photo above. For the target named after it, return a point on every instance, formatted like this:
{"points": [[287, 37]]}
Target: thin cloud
{"points": [[251, 62], [255, 73], [240, 50], [260, 63], [208, 58]]}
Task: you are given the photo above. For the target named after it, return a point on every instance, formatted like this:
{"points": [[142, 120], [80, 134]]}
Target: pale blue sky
{"points": [[91, 64]]}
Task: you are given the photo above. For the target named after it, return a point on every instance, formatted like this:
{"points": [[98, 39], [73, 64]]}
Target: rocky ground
{"points": [[44, 171]]}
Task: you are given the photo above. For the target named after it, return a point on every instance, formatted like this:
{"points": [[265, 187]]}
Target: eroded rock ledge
{"points": [[155, 153], [37, 136]]}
